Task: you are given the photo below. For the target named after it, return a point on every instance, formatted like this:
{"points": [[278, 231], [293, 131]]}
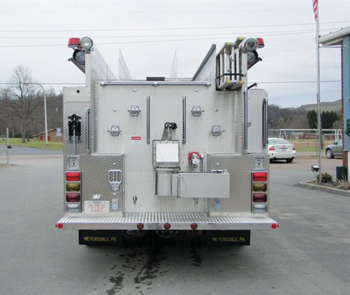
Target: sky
{"points": [[35, 34]]}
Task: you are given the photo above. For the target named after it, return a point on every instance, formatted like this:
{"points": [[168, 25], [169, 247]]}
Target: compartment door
{"points": [[257, 121]]}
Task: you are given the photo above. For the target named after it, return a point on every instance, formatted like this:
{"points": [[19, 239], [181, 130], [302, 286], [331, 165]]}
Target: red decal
{"points": [[135, 137]]}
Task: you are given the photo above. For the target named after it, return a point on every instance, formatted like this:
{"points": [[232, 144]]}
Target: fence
{"points": [[307, 139]]}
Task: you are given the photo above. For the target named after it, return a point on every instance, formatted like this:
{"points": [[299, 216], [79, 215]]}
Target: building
{"points": [[52, 135], [342, 38]]}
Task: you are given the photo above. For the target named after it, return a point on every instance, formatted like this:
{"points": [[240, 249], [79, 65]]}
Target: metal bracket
{"points": [[115, 179], [197, 111], [114, 130], [134, 111], [216, 130]]}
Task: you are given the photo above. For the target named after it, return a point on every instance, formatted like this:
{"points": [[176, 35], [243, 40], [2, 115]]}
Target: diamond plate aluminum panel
{"points": [[240, 168], [111, 108], [76, 101], [95, 178], [155, 221]]}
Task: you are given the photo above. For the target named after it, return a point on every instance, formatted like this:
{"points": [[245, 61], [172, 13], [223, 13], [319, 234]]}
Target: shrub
{"points": [[326, 178]]}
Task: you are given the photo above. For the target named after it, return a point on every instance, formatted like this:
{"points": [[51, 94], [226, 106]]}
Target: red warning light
{"points": [[73, 42]]}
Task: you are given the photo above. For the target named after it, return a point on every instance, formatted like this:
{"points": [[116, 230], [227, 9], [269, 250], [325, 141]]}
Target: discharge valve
{"points": [[194, 158]]}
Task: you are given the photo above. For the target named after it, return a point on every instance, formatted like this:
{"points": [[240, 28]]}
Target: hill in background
{"points": [[325, 106]]}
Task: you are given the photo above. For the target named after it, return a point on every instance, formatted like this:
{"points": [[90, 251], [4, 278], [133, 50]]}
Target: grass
{"points": [[52, 145], [301, 145], [309, 145]]}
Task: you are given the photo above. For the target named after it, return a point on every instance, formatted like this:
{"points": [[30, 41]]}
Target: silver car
{"points": [[281, 149], [334, 149]]}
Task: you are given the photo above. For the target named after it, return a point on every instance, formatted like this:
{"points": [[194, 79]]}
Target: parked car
{"points": [[334, 149], [281, 149]]}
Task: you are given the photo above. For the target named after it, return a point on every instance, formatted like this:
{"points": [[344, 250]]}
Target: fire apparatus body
{"points": [[166, 156]]}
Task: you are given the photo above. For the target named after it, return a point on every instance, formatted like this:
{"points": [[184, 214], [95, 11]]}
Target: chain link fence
{"points": [[306, 140]]}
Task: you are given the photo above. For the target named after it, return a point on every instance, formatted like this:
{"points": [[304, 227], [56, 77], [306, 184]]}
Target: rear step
{"points": [[161, 221]]}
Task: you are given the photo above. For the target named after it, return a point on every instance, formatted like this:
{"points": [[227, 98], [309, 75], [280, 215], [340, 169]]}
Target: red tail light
{"points": [[259, 176], [167, 226], [293, 148], [73, 176], [73, 197], [194, 226], [259, 197], [271, 148], [140, 226]]}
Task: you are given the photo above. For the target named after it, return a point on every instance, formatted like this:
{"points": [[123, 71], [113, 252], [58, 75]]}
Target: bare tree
{"points": [[19, 101]]}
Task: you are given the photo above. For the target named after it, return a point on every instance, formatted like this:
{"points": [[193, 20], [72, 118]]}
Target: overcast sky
{"points": [[35, 34]]}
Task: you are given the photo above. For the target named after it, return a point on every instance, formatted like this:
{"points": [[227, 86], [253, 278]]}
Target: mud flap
{"points": [[100, 237], [228, 237]]}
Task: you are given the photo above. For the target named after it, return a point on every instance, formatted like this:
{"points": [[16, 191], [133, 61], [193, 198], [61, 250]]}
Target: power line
{"points": [[165, 29], [169, 11], [157, 41], [159, 36], [156, 36]]}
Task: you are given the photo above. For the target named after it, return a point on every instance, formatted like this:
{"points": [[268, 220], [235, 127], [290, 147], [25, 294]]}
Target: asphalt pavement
{"points": [[308, 254]]}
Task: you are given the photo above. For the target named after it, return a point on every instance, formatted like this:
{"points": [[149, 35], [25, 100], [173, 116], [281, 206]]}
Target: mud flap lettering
{"points": [[100, 237], [228, 237]]}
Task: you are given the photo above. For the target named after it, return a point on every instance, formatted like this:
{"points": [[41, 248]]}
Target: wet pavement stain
{"points": [[118, 283], [197, 258], [141, 265]]}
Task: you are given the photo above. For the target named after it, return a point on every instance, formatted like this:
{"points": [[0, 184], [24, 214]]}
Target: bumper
{"points": [[274, 155], [156, 221]]}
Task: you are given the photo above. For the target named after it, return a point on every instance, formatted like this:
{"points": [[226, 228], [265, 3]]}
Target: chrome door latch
{"points": [[134, 111], [216, 130], [114, 130], [197, 111]]}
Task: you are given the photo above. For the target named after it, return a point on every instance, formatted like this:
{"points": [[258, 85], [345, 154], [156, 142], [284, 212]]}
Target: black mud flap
{"points": [[228, 237], [100, 237]]}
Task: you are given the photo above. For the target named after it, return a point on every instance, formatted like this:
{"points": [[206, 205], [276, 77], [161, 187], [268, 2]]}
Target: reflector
{"points": [[167, 226]]}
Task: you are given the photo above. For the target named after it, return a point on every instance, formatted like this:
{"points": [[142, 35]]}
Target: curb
{"points": [[330, 190]]}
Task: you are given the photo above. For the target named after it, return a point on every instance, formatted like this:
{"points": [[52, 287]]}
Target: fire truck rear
{"points": [[166, 156]]}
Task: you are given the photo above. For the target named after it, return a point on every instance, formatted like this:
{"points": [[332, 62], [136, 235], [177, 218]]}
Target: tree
{"points": [[328, 119], [19, 101], [312, 118]]}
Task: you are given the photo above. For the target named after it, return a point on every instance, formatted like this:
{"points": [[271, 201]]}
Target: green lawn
{"points": [[33, 144], [309, 145]]}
